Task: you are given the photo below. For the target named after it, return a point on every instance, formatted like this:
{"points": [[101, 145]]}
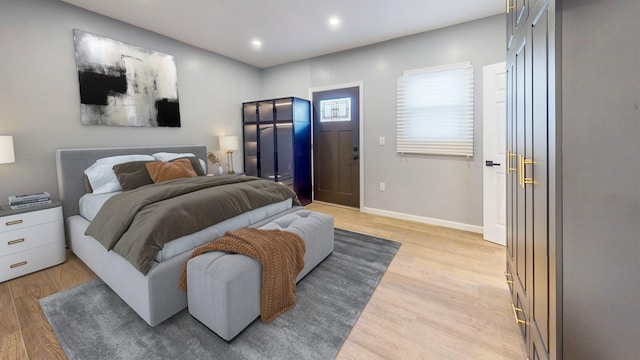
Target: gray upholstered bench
{"points": [[224, 289]]}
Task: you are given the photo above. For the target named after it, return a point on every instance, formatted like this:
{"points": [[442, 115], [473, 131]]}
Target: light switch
{"points": [[381, 141]]}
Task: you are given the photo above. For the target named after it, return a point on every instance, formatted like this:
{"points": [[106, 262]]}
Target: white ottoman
{"points": [[224, 289]]}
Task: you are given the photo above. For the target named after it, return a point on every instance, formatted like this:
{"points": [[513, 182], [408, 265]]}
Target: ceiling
{"points": [[289, 30]]}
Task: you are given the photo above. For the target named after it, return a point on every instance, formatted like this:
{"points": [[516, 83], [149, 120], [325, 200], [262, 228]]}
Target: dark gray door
{"points": [[336, 157]]}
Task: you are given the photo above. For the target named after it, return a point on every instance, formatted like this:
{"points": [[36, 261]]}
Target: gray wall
{"points": [[39, 96], [39, 102], [601, 178], [434, 187]]}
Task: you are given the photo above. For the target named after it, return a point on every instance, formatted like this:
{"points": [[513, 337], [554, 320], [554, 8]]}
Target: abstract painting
{"points": [[125, 85]]}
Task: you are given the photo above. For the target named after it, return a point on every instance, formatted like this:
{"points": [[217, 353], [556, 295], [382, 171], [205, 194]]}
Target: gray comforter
{"points": [[137, 223]]}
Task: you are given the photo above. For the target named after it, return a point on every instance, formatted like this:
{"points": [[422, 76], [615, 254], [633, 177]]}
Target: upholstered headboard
{"points": [[71, 163]]}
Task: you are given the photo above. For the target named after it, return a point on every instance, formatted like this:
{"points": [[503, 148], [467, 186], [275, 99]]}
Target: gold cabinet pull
{"points": [[515, 314], [522, 180], [509, 156], [508, 276], [520, 171], [509, 6], [526, 180], [14, 222], [16, 241], [21, 263]]}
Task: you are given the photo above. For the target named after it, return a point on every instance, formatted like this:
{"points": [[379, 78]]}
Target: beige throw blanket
{"points": [[281, 254]]}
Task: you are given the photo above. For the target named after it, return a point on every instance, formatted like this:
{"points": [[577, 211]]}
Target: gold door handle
{"points": [[509, 156], [509, 6]]}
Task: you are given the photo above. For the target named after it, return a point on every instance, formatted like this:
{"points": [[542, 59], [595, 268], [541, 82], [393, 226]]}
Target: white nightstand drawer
{"points": [[35, 217], [26, 262], [31, 237]]}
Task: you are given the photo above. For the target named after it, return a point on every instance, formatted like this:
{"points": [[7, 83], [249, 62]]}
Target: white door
{"points": [[493, 149]]}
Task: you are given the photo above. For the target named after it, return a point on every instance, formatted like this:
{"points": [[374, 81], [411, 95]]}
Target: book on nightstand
{"points": [[40, 195], [29, 200], [28, 205]]}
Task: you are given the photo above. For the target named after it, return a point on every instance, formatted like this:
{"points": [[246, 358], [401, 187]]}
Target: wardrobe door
{"points": [[250, 149], [267, 152], [524, 263], [540, 300], [529, 238], [512, 180]]}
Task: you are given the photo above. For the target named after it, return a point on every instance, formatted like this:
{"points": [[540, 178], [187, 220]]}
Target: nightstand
{"points": [[31, 239]]}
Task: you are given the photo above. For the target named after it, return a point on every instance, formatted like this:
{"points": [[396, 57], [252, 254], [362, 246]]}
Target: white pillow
{"points": [[167, 156], [101, 176]]}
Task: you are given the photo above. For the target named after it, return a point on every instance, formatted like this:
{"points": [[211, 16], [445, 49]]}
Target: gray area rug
{"points": [[92, 322]]}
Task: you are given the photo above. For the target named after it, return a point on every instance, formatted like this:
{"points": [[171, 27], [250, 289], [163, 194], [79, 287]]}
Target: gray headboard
{"points": [[71, 163]]}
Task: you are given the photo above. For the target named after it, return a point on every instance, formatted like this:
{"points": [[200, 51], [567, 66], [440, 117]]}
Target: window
{"points": [[435, 111], [335, 110]]}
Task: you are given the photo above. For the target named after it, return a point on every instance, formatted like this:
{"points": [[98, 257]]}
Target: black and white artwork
{"points": [[125, 85]]}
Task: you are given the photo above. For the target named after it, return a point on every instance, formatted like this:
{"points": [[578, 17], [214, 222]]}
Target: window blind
{"points": [[435, 111]]}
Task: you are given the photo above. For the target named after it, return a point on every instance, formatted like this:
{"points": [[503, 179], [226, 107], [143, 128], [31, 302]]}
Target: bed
{"points": [[154, 295]]}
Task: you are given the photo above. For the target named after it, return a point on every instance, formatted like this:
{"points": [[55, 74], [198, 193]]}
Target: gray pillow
{"points": [[132, 175], [195, 163]]}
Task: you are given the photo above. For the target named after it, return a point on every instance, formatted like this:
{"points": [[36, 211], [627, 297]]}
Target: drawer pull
{"points": [[14, 222], [16, 241], [21, 263]]}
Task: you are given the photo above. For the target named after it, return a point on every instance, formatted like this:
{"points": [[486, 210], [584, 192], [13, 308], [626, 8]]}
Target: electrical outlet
{"points": [[382, 186]]}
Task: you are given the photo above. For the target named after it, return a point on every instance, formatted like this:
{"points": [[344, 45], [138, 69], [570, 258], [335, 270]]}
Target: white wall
{"points": [[40, 102], [431, 188]]}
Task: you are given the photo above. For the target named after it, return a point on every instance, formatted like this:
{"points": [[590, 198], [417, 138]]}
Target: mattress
{"points": [[90, 204]]}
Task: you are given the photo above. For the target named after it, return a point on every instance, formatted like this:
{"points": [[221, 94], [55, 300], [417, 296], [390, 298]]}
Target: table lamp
{"points": [[229, 144], [6, 150]]}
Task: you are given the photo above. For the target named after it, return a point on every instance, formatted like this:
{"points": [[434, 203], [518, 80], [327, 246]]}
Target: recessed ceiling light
{"points": [[256, 44], [334, 22]]}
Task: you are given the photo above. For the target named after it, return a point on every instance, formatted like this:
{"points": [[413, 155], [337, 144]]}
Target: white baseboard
{"points": [[425, 220]]}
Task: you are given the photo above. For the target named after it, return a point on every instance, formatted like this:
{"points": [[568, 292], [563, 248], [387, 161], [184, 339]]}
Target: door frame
{"points": [[360, 86]]}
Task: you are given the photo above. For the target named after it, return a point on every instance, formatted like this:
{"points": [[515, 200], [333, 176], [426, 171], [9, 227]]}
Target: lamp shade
{"points": [[229, 143], [6, 150]]}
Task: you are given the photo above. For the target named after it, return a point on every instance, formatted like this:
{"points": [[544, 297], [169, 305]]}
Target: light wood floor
{"points": [[443, 297]]}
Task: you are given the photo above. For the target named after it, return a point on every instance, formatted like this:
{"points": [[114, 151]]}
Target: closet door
{"points": [[540, 301], [530, 241], [512, 179], [523, 205], [267, 152]]}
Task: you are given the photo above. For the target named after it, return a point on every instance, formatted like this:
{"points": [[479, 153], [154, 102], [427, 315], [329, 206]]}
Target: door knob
{"points": [[356, 155]]}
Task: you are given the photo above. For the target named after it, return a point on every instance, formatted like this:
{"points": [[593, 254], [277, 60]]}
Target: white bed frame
{"points": [[154, 296]]}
